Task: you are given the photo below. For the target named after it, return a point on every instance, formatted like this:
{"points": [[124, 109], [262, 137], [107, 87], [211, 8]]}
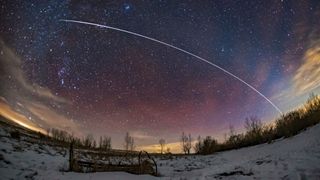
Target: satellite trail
{"points": [[177, 48]]}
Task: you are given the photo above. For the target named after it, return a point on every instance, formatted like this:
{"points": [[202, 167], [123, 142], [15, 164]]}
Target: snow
{"points": [[297, 157]]}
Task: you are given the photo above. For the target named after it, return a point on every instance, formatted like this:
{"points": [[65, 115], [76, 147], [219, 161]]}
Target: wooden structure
{"points": [[95, 161]]}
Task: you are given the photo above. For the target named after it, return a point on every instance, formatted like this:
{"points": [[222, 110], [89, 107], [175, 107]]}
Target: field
{"points": [[30, 157]]}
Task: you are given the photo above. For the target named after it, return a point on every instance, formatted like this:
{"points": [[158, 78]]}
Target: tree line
{"points": [[89, 141], [286, 125]]}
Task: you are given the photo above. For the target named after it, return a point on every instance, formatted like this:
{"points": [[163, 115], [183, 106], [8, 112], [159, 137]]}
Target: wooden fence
{"points": [[97, 161]]}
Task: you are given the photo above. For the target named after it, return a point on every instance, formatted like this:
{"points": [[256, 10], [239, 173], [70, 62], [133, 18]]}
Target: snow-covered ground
{"points": [[297, 157]]}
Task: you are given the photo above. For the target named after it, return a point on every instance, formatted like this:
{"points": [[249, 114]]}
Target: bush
{"points": [[268, 133], [286, 125], [293, 122], [15, 134], [207, 146], [254, 129], [234, 142]]}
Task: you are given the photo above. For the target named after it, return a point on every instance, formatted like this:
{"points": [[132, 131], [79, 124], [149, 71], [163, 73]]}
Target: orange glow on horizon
{"points": [[7, 112]]}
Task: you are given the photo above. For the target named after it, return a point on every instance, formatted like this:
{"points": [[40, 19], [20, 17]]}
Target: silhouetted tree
{"points": [[88, 141], [207, 145], [105, 143], [168, 150], [254, 127], [132, 144], [186, 143], [128, 142], [197, 146], [162, 143], [59, 135], [286, 125]]}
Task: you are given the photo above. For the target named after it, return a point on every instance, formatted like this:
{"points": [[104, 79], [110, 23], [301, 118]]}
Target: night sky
{"points": [[87, 79]]}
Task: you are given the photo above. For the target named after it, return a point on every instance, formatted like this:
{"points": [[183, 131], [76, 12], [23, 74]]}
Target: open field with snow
{"points": [[297, 157]]}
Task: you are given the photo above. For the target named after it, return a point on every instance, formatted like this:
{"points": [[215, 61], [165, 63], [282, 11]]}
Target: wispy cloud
{"points": [[141, 135], [305, 79], [26, 102], [307, 76], [11, 72], [50, 118], [7, 112]]}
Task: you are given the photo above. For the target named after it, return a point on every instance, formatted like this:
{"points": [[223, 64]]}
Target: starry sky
{"points": [[87, 79]]}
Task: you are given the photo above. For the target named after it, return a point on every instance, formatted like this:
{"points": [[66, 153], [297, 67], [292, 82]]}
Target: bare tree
{"points": [[59, 135], [128, 142], [183, 142], [132, 144], [198, 145], [48, 132], [189, 144], [168, 150], [100, 142], [88, 141], [105, 143], [162, 143], [253, 125], [254, 129], [186, 142], [232, 132]]}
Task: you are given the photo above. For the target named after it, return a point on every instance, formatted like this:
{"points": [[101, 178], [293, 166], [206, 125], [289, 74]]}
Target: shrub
{"points": [[286, 125], [254, 129], [293, 122], [207, 146], [15, 134]]}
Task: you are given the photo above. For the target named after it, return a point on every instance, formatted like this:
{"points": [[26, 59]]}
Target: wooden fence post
{"points": [[71, 157]]}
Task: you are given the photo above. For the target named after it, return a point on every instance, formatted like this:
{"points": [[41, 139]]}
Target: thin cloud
{"points": [[174, 147], [51, 118], [307, 77], [141, 135], [11, 72], [28, 103], [7, 112]]}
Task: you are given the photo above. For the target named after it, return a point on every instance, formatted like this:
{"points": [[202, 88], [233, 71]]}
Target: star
{"points": [[127, 7], [111, 82]]}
